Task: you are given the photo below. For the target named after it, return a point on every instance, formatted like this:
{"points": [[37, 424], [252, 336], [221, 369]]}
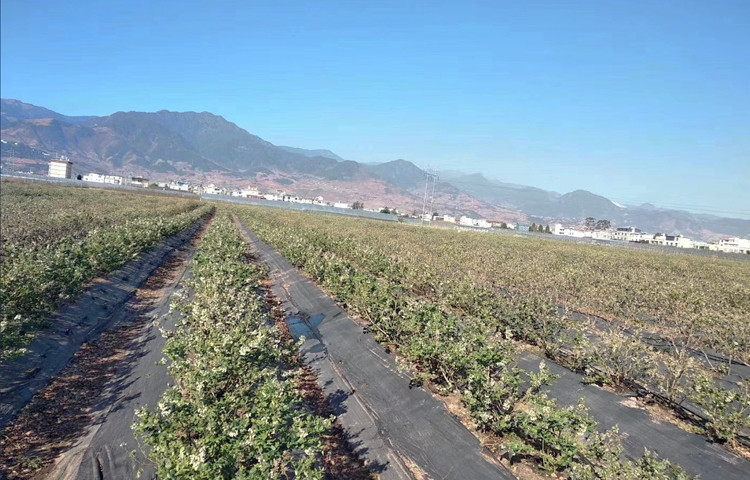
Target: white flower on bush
{"points": [[196, 460], [165, 408]]}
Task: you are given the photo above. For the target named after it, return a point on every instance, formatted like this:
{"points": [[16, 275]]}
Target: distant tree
{"points": [[603, 225], [385, 210], [547, 230], [590, 223], [504, 225], [532, 228], [358, 205]]}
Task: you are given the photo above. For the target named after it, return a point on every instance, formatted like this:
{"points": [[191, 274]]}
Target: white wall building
{"points": [[482, 223], [60, 168], [139, 182], [734, 245], [181, 186], [572, 232], [99, 178], [627, 234], [212, 189], [249, 192], [473, 222], [449, 218], [601, 235]]}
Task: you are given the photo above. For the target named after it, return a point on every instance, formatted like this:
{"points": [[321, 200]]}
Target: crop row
{"points": [[610, 357], [458, 355], [36, 279], [662, 294], [35, 215], [235, 410]]}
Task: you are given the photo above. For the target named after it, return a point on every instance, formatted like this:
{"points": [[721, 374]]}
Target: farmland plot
{"points": [[253, 412], [406, 301], [237, 408], [56, 239]]}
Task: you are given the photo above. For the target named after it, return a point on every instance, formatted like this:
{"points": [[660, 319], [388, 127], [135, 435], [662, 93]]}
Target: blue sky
{"points": [[637, 100]]}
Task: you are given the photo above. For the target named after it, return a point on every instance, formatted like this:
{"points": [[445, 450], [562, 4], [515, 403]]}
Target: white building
{"points": [[473, 222], [482, 223], [181, 186], [212, 189], [139, 182], [734, 245], [449, 218], [60, 168], [627, 234], [601, 235], [669, 240], [248, 192], [98, 178], [572, 232]]}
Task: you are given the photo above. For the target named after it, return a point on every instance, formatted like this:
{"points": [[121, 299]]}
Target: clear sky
{"points": [[637, 100]]}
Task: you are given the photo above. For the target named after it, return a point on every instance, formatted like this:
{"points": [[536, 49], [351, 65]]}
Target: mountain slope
{"points": [[579, 204], [312, 153], [14, 111], [191, 144], [529, 200], [163, 142], [400, 173]]}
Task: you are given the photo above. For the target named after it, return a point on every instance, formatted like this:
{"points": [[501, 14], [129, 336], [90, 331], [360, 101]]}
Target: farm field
{"points": [[460, 315], [461, 322], [236, 410], [237, 379], [56, 239], [402, 432]]}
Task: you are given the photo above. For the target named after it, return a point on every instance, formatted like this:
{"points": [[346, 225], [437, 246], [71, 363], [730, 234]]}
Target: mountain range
{"points": [[206, 147]]}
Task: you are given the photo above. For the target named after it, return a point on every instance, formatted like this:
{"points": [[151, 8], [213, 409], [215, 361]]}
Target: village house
{"points": [[99, 178]]}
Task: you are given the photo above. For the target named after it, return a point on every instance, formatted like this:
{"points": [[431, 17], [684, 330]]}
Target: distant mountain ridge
{"points": [[313, 153], [191, 143]]}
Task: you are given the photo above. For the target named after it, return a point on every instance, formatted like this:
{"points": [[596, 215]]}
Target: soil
{"points": [[340, 460]]}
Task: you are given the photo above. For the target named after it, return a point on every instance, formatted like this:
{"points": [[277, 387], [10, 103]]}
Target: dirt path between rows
{"points": [[79, 425], [402, 432], [696, 454]]}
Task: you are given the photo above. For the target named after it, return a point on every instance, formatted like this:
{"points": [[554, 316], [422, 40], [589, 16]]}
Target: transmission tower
{"points": [[429, 176]]}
